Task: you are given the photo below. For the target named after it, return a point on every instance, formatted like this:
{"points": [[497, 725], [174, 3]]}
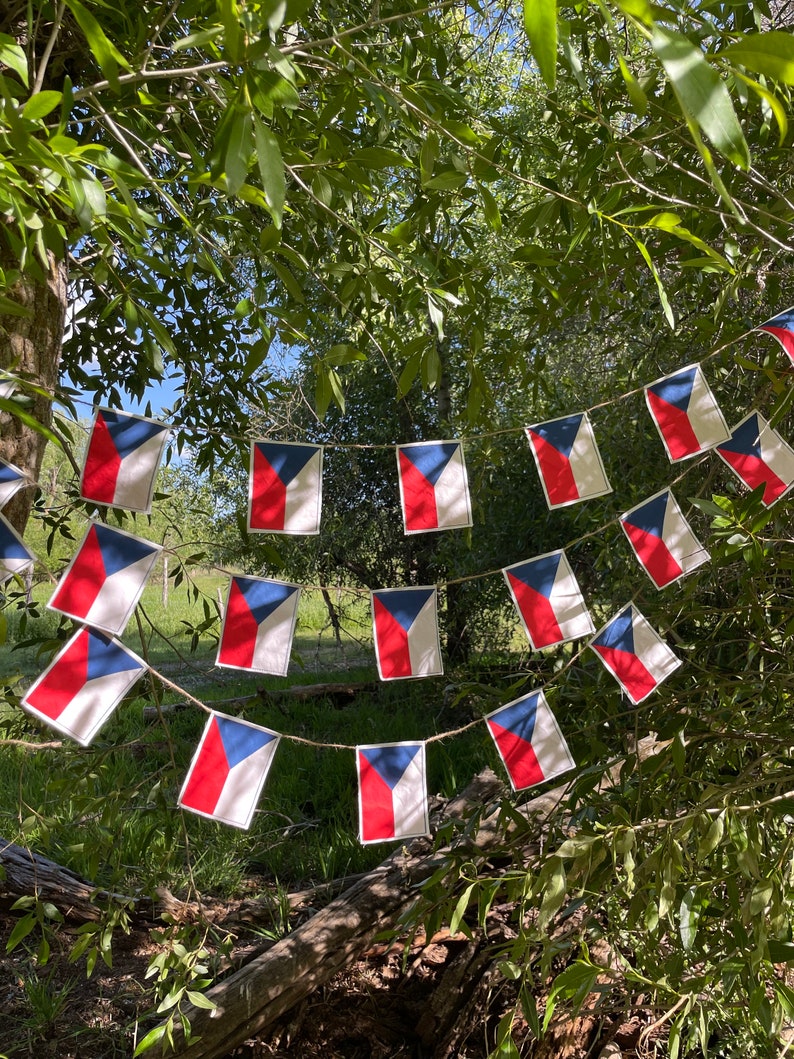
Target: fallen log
{"points": [[27, 873], [251, 999]]}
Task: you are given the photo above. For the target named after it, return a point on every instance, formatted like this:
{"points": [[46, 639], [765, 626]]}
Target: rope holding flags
{"points": [[102, 584]]}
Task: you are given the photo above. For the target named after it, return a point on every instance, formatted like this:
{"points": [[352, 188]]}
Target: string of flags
{"points": [[103, 583]]}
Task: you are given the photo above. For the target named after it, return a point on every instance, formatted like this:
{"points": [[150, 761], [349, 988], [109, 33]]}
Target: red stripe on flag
{"points": [[654, 555], [519, 757], [57, 688], [392, 643], [377, 803], [755, 472], [102, 465], [209, 774], [83, 583], [537, 612], [268, 496], [784, 337], [239, 632], [676, 426], [557, 472], [630, 671], [419, 497]]}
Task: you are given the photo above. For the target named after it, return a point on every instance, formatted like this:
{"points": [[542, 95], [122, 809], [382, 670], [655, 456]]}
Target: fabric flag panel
{"points": [[105, 579], [548, 599], [406, 633], [529, 741], [83, 685], [11, 481], [121, 461], [258, 625], [781, 327], [662, 539], [634, 653], [759, 456], [14, 556], [285, 487], [568, 460], [434, 489], [392, 791], [6, 389], [686, 413], [228, 770]]}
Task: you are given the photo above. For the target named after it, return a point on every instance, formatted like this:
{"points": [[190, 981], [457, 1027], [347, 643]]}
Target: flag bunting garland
{"points": [[102, 584]]}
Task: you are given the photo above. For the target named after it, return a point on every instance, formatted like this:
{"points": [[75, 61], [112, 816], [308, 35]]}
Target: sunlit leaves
{"points": [[540, 22]]}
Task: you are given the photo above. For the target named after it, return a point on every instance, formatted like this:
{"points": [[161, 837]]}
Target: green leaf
{"points": [[770, 54], [238, 148], [701, 93], [152, 1037], [427, 157], [271, 170], [13, 56], [490, 208], [540, 22], [42, 104], [688, 916], [104, 51], [668, 311], [21, 930], [199, 1000]]}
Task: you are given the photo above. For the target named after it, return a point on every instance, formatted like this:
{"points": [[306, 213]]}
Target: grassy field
{"points": [[110, 811]]}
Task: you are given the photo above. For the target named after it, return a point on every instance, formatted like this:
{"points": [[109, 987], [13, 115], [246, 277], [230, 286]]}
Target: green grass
{"points": [[110, 812]]}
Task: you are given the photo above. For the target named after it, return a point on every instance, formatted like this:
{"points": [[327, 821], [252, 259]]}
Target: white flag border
{"points": [[5, 573], [704, 448]]}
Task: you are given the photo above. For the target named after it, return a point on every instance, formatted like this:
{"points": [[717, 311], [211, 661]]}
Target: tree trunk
{"points": [[30, 347]]}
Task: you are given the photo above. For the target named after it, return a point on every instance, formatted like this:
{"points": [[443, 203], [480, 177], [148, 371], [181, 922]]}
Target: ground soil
{"points": [[386, 1006]]}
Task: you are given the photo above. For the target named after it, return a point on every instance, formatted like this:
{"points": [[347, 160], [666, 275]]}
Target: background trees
{"points": [[449, 221]]}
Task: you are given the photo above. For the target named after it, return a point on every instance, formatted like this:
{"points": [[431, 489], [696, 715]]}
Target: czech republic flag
{"points": [[686, 413], [759, 456], [14, 555], [548, 599], [258, 625], [11, 481], [121, 461], [228, 770], [662, 539], [105, 579], [405, 626], [634, 653], [83, 685], [568, 460], [285, 487], [781, 327], [434, 489], [392, 791], [529, 741]]}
